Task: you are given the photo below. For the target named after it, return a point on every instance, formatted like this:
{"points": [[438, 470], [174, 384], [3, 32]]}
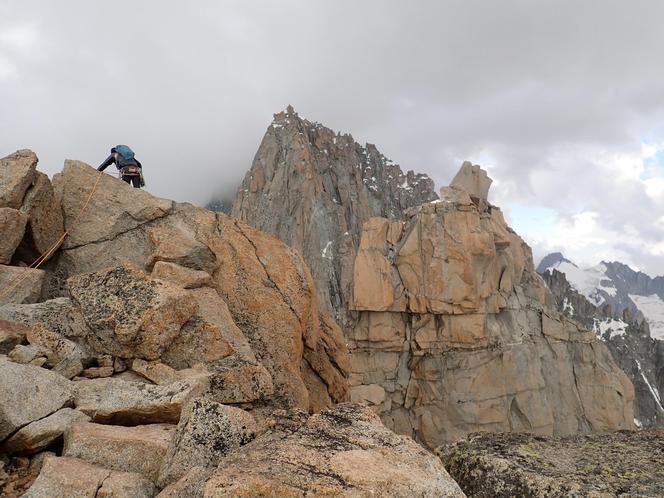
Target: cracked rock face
{"points": [[454, 336], [313, 189]]}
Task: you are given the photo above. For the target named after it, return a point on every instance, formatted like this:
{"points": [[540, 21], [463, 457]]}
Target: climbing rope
{"points": [[47, 254]]}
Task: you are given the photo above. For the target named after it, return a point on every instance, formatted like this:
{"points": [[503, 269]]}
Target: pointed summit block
{"points": [[474, 180], [314, 188]]}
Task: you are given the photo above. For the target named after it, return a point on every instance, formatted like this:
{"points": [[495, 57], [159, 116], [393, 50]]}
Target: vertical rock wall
{"points": [[454, 335]]}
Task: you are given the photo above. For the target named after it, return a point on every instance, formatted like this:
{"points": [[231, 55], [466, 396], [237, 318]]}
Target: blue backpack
{"points": [[125, 153]]}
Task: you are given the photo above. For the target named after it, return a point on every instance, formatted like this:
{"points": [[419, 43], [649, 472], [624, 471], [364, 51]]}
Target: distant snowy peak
{"points": [[551, 260], [593, 283], [652, 308], [616, 287]]}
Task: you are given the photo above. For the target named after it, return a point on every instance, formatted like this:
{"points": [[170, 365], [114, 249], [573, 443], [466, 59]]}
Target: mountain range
{"points": [[624, 308]]}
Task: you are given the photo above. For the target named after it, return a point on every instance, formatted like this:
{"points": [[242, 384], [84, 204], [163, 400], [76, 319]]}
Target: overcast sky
{"points": [[562, 101]]}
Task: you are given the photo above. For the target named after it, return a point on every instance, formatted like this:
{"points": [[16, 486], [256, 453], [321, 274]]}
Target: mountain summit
{"points": [[314, 188]]}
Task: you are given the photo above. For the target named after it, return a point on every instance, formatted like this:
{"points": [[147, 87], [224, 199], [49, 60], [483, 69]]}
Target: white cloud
{"points": [[21, 37], [8, 69]]}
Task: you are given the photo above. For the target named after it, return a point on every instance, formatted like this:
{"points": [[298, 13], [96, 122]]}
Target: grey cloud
{"points": [[192, 88]]}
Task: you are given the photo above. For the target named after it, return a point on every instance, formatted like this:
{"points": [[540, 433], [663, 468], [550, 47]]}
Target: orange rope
{"points": [[47, 254]]}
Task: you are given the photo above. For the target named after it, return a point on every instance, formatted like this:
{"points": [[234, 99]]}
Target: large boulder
{"points": [[345, 451], [139, 449], [129, 314], [29, 393], [207, 432], [45, 226], [12, 228], [113, 210], [40, 434], [71, 477], [116, 401], [18, 172]]}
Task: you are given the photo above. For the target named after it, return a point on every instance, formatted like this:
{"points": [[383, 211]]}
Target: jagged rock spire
{"points": [[314, 188], [473, 179]]}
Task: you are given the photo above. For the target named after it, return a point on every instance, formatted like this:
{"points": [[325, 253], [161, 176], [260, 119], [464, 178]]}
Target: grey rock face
{"points": [[313, 189]]}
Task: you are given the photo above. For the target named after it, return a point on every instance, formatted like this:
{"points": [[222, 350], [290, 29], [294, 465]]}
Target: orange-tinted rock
{"points": [[454, 335]]}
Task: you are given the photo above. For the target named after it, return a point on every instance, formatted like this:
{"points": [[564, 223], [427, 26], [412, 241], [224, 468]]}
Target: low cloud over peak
{"points": [[560, 100]]}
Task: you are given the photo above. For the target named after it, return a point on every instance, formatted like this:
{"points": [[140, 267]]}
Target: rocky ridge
{"points": [[456, 333], [166, 330], [313, 189]]}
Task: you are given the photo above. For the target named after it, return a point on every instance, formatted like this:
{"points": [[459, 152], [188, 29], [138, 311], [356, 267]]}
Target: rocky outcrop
{"points": [[30, 216], [148, 306], [454, 334], [626, 464], [166, 330], [18, 172], [229, 297], [313, 189], [344, 451]]}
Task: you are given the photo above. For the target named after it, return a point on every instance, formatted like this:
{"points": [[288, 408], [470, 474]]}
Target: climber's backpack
{"points": [[125, 155]]}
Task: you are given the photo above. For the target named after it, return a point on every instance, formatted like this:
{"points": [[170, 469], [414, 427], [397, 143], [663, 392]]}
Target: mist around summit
{"points": [[560, 101]]}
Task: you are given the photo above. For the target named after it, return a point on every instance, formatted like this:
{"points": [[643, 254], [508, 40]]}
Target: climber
{"points": [[131, 170]]}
